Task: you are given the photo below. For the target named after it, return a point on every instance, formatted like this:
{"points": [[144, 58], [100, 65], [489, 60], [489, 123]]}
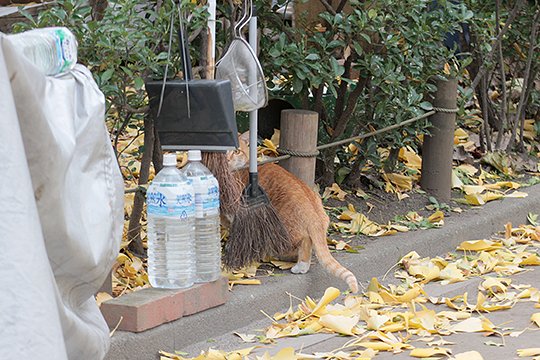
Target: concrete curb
{"points": [[246, 302]]}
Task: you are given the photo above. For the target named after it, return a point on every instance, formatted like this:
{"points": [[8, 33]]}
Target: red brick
{"points": [[206, 296], [148, 308]]}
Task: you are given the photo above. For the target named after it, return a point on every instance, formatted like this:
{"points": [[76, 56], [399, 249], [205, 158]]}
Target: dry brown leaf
{"points": [[402, 182], [334, 191]]}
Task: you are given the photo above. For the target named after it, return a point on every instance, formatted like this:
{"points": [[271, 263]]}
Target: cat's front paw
{"points": [[300, 268]]}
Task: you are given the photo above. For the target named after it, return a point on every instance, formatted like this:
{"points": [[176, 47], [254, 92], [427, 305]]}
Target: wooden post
{"points": [[299, 130], [438, 148]]}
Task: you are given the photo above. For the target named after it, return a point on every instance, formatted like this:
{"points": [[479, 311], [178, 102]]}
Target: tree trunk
{"points": [[329, 171], [98, 8], [134, 227]]}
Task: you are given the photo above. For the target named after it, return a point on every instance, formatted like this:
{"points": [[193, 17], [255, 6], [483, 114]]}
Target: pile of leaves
{"points": [[395, 318]]}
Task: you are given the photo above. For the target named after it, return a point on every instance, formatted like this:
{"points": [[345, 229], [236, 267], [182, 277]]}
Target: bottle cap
{"points": [[194, 155], [169, 159]]}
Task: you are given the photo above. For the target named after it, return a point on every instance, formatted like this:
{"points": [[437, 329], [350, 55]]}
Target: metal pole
{"points": [[253, 114]]}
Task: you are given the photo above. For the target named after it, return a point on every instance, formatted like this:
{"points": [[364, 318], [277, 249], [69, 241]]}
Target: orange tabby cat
{"points": [[301, 211]]}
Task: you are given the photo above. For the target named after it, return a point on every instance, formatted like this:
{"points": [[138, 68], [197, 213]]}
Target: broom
{"points": [[230, 187], [256, 231]]}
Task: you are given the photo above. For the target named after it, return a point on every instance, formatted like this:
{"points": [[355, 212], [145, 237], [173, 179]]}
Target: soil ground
{"points": [[383, 208]]}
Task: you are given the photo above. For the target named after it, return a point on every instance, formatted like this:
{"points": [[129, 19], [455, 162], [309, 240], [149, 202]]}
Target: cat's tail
{"points": [[328, 262]]}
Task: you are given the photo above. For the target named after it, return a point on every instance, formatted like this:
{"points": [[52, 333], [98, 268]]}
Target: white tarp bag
{"points": [[61, 212]]}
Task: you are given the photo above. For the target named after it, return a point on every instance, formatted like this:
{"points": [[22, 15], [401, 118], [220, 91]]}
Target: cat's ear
{"points": [[236, 158], [244, 137]]}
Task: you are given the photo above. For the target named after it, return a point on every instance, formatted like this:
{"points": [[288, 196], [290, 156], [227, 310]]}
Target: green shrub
{"points": [[365, 69]]}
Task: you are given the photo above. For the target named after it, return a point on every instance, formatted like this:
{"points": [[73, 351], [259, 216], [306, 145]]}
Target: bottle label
{"points": [[212, 204], [206, 196], [170, 200], [64, 49]]}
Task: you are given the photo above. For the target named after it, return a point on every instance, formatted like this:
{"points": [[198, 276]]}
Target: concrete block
{"points": [[148, 308]]}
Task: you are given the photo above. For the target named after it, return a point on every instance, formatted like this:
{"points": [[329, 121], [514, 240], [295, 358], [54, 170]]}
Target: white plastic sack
{"points": [[61, 212]]}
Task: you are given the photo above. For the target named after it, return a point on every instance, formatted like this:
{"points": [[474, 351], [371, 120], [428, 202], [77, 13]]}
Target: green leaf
{"points": [[107, 75], [337, 69], [533, 219], [274, 52], [297, 85], [372, 13], [138, 82], [426, 105], [313, 57]]}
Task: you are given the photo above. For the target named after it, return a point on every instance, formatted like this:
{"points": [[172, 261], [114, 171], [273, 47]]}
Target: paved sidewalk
{"points": [[517, 318], [243, 311]]}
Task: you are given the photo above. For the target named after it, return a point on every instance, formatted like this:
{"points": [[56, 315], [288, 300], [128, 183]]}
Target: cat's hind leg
{"points": [[304, 258]]}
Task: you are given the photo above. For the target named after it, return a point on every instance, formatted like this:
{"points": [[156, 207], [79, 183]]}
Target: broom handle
{"points": [[253, 114]]}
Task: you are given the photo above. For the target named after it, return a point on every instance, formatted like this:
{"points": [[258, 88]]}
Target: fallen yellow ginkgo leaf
{"points": [[102, 297], [339, 323], [495, 285], [236, 354], [249, 338], [528, 352], [473, 189], [481, 305], [429, 352], [456, 181], [503, 184], [408, 296], [451, 274], [244, 282], [479, 245], [474, 199], [376, 321], [375, 345], [469, 355], [330, 294], [436, 217], [530, 260], [283, 265], [473, 324], [490, 196], [535, 318], [427, 271], [517, 195]]}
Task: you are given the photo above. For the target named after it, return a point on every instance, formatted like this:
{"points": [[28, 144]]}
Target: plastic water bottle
{"points": [[170, 203], [53, 50], [207, 231]]}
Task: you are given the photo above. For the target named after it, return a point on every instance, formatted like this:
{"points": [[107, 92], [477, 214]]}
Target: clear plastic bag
{"points": [[240, 66]]}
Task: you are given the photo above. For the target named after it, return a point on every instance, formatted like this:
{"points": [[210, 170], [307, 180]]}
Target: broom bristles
{"points": [[256, 233], [230, 186]]}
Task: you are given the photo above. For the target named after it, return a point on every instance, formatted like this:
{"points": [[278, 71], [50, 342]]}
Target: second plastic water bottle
{"points": [[171, 232], [207, 232], [53, 50]]}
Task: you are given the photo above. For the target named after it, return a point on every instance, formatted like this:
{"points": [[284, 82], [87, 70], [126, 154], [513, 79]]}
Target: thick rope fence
{"points": [[286, 154]]}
